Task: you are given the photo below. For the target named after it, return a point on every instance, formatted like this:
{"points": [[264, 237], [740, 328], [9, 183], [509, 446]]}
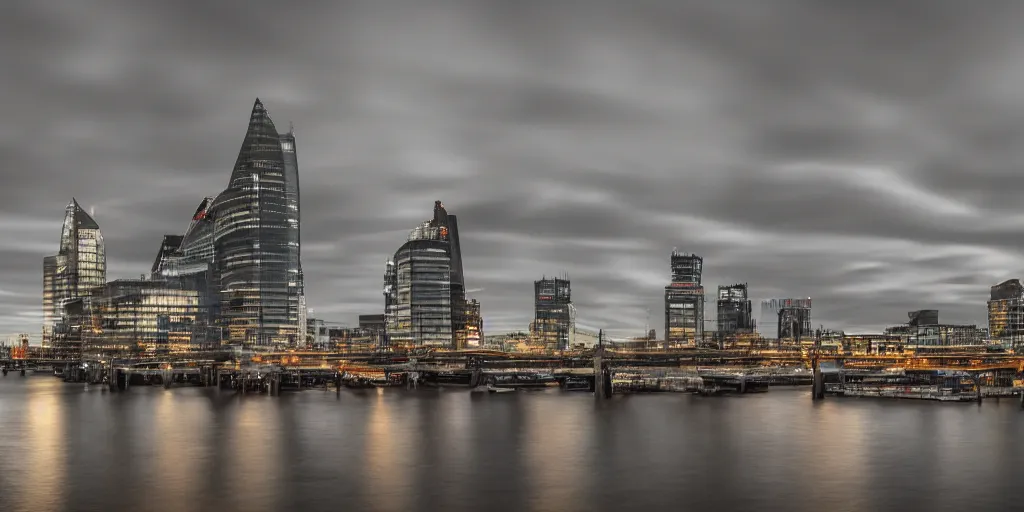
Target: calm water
{"points": [[66, 447]]}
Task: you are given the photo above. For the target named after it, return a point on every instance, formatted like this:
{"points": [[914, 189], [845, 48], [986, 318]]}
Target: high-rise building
{"points": [[734, 310], [684, 301], [791, 318], [79, 266], [424, 288], [189, 265], [1006, 314], [256, 239], [552, 318]]}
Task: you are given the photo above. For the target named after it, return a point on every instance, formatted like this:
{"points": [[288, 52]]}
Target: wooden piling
{"points": [[818, 384]]}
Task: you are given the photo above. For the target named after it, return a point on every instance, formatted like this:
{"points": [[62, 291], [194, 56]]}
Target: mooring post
{"points": [[743, 383], [818, 383]]}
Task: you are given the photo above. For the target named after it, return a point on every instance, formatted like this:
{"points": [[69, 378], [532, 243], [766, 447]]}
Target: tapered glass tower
{"points": [[256, 238], [79, 267]]}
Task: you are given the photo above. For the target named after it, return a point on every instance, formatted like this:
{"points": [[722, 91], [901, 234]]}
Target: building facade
{"points": [[187, 262], [1006, 314], [735, 313], [143, 316], [474, 331], [553, 319], [924, 330], [256, 239], [684, 301], [424, 287], [79, 267], [786, 318]]}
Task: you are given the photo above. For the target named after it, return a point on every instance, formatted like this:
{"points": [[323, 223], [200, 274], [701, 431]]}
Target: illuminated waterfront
{"points": [[68, 447]]}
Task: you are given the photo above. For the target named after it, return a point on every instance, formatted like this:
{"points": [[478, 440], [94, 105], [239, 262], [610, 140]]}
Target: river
{"points": [[71, 447]]}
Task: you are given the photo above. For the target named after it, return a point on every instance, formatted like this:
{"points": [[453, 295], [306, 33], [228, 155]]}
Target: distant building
{"points": [[924, 330], [684, 301], [372, 322], [79, 267], [553, 321], [790, 318], [734, 310], [585, 338], [424, 288], [795, 323], [375, 324], [507, 341], [316, 333], [472, 335], [1006, 314]]}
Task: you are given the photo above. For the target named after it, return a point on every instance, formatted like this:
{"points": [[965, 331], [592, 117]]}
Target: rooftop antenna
{"points": [[291, 128]]}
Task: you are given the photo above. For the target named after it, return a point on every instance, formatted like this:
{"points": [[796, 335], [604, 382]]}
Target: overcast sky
{"points": [[864, 153]]}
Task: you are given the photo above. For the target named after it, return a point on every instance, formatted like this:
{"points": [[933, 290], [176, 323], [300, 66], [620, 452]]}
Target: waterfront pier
{"points": [[959, 376]]}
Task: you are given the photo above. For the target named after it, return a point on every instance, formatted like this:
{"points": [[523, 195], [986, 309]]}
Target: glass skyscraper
{"points": [[256, 239], [79, 267], [424, 288]]}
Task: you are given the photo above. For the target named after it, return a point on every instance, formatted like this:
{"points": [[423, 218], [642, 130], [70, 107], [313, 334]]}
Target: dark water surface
{"points": [[67, 447]]}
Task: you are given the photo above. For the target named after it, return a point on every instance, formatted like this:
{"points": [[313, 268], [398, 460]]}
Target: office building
{"points": [[186, 262], [923, 330], [734, 310], [79, 266], [473, 334], [138, 316], [424, 288], [787, 318], [256, 239], [553, 317], [1006, 314], [684, 301]]}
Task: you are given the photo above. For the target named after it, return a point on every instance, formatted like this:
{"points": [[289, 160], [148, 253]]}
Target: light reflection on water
{"points": [[66, 447]]}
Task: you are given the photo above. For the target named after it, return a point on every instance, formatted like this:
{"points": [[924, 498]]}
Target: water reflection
{"points": [[554, 442], [253, 474], [45, 453], [63, 447], [179, 439], [387, 479]]}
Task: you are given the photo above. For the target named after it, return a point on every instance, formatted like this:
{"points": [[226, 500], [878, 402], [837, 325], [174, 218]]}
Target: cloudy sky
{"points": [[867, 154]]}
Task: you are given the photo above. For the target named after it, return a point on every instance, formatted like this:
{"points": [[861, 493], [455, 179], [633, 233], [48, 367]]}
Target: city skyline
{"points": [[774, 175]]}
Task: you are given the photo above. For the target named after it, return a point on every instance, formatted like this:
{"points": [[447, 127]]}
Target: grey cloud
{"points": [[856, 152]]}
